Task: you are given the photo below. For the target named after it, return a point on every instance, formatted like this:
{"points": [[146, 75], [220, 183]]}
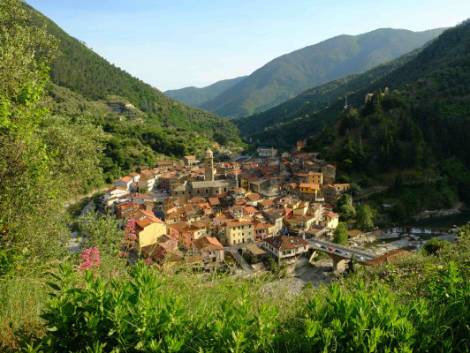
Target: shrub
{"points": [[147, 314], [341, 234], [434, 246], [447, 328], [364, 319]]}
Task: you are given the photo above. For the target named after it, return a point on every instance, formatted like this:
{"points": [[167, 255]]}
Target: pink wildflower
{"points": [[90, 258]]}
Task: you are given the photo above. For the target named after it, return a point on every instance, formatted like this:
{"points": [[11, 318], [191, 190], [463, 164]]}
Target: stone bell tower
{"points": [[209, 165]]}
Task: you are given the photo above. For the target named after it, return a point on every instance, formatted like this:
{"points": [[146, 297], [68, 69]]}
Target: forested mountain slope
{"points": [[139, 120], [195, 96], [290, 74], [422, 123], [332, 95], [435, 78]]}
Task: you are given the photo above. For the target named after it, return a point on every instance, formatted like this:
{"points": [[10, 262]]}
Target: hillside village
{"points": [[192, 211]]}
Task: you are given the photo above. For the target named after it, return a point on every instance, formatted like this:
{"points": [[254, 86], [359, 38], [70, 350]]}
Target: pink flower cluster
{"points": [[130, 233], [90, 258]]}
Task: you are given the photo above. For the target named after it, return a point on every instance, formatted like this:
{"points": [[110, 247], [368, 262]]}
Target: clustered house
{"points": [[191, 211], [286, 248]]}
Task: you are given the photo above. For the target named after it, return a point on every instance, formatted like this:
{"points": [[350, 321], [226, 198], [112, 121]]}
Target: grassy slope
{"points": [[290, 74]]}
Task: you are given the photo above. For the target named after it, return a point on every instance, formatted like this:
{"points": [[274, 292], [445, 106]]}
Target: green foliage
{"points": [[44, 160], [434, 246], [365, 318], [421, 122], [341, 234], [105, 233], [275, 267], [448, 293], [346, 207], [311, 111], [75, 149], [365, 217], [143, 314], [420, 304], [459, 176]]}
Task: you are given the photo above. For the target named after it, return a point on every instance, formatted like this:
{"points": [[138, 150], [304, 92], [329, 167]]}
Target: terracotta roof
{"points": [[126, 205], [263, 225], [285, 242], [250, 210], [144, 218], [197, 199], [266, 203], [208, 243], [144, 222], [240, 202], [179, 226]]}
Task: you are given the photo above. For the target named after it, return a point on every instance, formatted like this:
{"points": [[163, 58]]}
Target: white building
{"points": [[266, 152]]}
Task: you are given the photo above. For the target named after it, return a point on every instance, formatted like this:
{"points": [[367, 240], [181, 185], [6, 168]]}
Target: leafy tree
{"points": [[346, 207], [341, 234], [42, 164], [365, 217]]}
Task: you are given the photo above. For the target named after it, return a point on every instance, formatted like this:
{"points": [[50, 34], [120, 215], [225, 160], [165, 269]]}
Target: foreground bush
{"points": [[144, 314], [149, 313], [366, 319]]}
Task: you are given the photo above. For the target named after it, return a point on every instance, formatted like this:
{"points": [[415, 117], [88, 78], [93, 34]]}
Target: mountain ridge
{"points": [[331, 95], [290, 74], [196, 96], [427, 105]]}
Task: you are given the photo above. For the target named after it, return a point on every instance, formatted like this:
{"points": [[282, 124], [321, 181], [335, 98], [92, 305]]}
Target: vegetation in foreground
{"points": [[420, 304], [95, 303]]}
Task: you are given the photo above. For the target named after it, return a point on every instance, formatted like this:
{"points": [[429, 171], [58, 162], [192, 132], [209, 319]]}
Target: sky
{"points": [[176, 43]]}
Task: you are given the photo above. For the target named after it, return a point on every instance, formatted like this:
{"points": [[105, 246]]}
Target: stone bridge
{"points": [[338, 253]]}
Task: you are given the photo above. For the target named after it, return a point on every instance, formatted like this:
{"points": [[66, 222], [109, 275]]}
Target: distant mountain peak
{"points": [[290, 74]]}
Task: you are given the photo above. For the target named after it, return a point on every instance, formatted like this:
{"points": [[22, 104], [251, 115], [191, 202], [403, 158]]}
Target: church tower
{"points": [[209, 165]]}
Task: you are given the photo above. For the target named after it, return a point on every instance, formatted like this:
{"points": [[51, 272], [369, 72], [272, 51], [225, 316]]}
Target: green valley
{"points": [[332, 219]]}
